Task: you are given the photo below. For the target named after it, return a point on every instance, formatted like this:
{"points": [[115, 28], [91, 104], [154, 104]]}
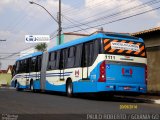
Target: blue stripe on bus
{"points": [[52, 87], [47, 75]]}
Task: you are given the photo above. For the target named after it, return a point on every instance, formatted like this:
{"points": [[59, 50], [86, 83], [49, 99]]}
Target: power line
{"points": [[120, 19], [89, 7], [17, 52], [73, 22], [106, 11], [131, 9], [77, 5], [115, 14]]}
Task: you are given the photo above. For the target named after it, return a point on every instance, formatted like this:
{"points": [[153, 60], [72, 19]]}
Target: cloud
{"points": [[116, 5], [100, 11], [158, 24], [14, 43]]}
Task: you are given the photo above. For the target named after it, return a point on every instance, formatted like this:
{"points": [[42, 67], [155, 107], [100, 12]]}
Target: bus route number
{"points": [[110, 57]]}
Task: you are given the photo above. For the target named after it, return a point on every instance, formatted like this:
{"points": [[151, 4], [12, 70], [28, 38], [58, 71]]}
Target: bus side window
{"points": [[17, 67], [49, 63], [64, 58], [52, 61], [38, 63], [24, 65], [87, 54], [33, 64], [78, 55], [91, 54], [57, 66], [28, 65], [97, 49], [71, 57], [20, 66]]}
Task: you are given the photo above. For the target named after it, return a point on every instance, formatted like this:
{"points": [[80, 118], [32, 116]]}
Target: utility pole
{"points": [[0, 63], [59, 23]]}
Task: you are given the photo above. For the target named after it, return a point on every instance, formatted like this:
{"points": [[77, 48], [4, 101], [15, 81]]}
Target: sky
{"points": [[19, 18]]}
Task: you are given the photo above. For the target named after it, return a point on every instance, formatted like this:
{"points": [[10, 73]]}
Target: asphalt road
{"points": [[25, 102]]}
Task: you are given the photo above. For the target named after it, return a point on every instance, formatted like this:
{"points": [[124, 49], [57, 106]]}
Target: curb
{"points": [[152, 100], [3, 87]]}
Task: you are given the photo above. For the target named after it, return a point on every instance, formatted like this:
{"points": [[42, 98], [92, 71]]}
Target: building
{"points": [[5, 76], [66, 37], [151, 38]]}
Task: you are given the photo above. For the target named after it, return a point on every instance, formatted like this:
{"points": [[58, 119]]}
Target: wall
{"points": [[66, 38], [5, 78], [152, 42], [153, 55]]}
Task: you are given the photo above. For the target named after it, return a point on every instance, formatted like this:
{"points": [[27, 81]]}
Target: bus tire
{"points": [[31, 86], [69, 88], [17, 86]]}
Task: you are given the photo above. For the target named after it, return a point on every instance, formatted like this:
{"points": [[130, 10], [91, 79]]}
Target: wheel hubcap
{"points": [[31, 87], [16, 85], [70, 89]]}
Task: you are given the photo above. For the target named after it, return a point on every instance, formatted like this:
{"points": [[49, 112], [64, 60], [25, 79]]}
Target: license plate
{"points": [[127, 88]]}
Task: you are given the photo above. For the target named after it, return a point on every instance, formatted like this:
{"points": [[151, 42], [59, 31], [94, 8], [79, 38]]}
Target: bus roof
{"points": [[29, 55], [95, 36]]}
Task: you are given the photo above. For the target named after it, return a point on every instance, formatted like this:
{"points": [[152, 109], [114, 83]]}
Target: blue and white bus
{"points": [[102, 62]]}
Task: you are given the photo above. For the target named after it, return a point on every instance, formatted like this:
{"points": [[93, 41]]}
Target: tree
{"points": [[41, 47]]}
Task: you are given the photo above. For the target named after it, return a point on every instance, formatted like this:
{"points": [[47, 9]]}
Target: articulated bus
{"points": [[99, 63]]}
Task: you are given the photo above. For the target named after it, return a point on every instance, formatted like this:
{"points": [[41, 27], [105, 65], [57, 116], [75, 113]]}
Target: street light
{"points": [[59, 21]]}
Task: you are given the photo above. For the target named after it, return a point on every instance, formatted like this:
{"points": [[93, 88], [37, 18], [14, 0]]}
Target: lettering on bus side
{"points": [[76, 73]]}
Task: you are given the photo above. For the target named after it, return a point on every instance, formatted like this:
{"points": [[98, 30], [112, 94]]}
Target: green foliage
{"points": [[41, 47]]}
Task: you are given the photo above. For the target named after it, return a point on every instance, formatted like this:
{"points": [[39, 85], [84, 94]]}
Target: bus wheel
{"points": [[69, 89], [17, 86], [31, 86]]}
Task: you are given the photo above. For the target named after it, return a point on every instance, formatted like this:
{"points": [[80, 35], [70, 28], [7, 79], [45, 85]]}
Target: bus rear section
{"points": [[124, 68]]}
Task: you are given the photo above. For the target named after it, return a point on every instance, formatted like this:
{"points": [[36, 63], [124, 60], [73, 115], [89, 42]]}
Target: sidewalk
{"points": [[152, 96]]}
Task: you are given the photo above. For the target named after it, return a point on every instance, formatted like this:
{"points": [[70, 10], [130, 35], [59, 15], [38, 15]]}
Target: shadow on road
{"points": [[115, 98], [94, 97]]}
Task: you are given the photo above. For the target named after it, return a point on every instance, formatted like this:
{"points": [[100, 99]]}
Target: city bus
{"points": [[100, 63]]}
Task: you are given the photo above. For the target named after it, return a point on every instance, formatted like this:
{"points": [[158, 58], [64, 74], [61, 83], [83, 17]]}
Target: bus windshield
{"points": [[124, 47]]}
